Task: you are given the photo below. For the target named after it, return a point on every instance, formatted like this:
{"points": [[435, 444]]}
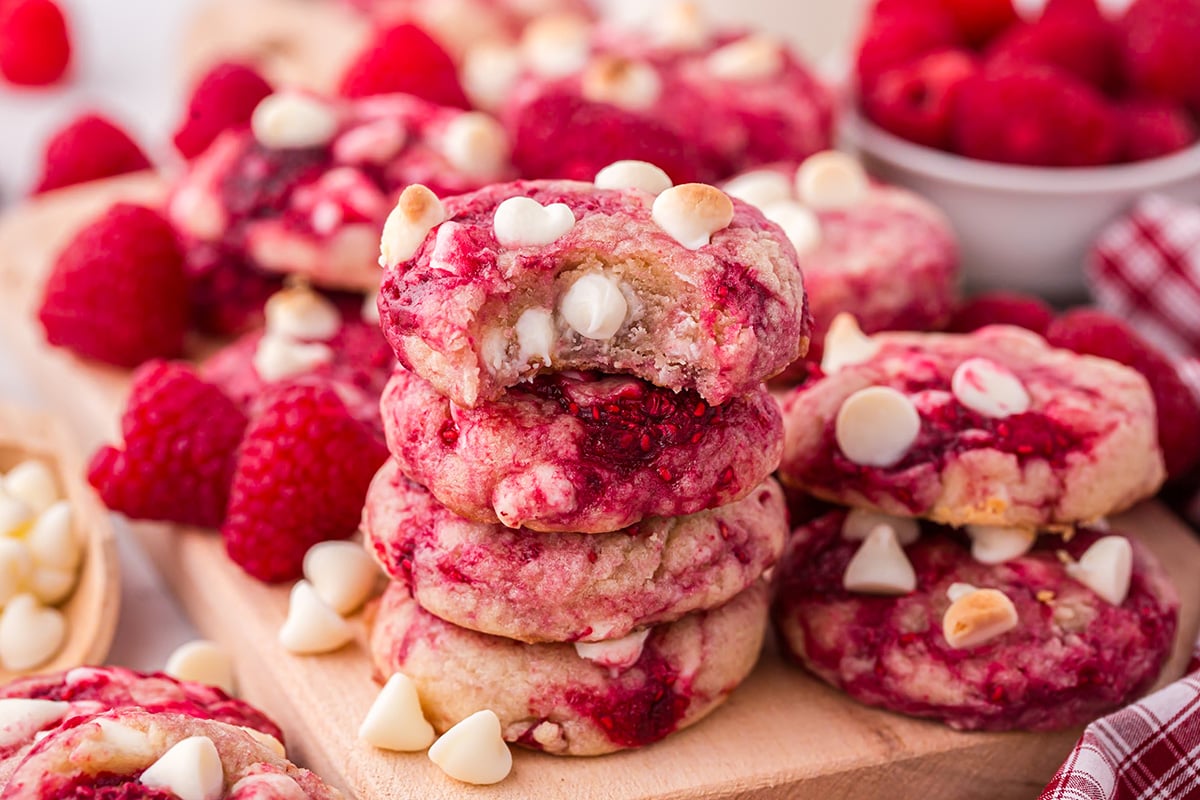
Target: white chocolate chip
{"points": [[982, 385], [205, 662], [15, 515], [800, 225], [680, 25], [417, 213], [535, 335], [312, 626], [51, 586], [267, 740], [978, 617], [376, 142], [524, 222], [1106, 568], [52, 541], [30, 633], [16, 567], [370, 308], [191, 769], [692, 212], [32, 483], [880, 566], [395, 720], [341, 573], [992, 544], [633, 175], [594, 306], [488, 73], [760, 188], [754, 58], [846, 344], [121, 740], [831, 180], [622, 82], [476, 145], [21, 718], [293, 120], [300, 313], [278, 357], [876, 426], [494, 350], [615, 654], [958, 590], [859, 523], [555, 46], [473, 751]]}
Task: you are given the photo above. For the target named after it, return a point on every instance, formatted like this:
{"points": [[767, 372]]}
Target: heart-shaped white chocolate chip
{"points": [[342, 573], [16, 567], [474, 751], [622, 82], [754, 58], [21, 718], [992, 544], [556, 45], [594, 306], [32, 483], [880, 566], [51, 586], [395, 720], [278, 357], [977, 617], [956, 590], [291, 119], [760, 188], [831, 180], [15, 515], [312, 626], [416, 213], [692, 212], [982, 385], [1106, 568], [30, 633], [800, 225], [524, 222], [300, 313], [846, 345], [859, 523], [205, 662], [615, 654], [52, 541], [191, 769], [876, 426], [633, 175], [476, 145], [488, 73], [535, 335]]}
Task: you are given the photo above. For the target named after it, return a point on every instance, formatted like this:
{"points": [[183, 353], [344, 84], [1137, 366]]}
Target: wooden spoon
{"points": [[91, 611]]}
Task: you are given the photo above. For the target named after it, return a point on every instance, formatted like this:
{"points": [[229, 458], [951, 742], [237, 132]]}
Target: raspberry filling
{"points": [[108, 786], [640, 714]]}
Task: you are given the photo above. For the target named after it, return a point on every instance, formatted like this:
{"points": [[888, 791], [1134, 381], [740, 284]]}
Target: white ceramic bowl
{"points": [[1022, 228]]}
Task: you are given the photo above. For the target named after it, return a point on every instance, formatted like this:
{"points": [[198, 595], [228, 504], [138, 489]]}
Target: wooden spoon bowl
{"points": [[91, 611]]}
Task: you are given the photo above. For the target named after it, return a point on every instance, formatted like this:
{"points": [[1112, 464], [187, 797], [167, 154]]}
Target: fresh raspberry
{"points": [[117, 292], [1096, 333], [1035, 115], [88, 149], [181, 436], [35, 47], [981, 20], [1002, 308], [916, 101], [301, 478], [224, 98], [898, 33], [1153, 128], [1073, 36], [1161, 50], [405, 59]]}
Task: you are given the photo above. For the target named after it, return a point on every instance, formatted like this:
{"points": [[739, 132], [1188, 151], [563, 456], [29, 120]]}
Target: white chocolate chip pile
{"points": [[339, 576]]}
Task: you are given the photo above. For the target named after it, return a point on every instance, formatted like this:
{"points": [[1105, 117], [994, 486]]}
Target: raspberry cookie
{"points": [[678, 285], [1065, 631], [567, 586], [573, 699], [305, 191], [880, 252], [581, 452], [993, 427], [143, 756]]}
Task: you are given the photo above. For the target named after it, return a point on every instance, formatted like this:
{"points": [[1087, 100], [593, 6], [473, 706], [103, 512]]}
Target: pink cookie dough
{"points": [[1072, 656]]}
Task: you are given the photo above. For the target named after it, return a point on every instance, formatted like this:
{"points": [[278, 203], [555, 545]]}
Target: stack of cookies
{"points": [[973, 578], [578, 511]]}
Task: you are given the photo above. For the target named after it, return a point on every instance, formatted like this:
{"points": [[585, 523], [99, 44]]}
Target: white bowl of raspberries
{"points": [[1031, 132]]}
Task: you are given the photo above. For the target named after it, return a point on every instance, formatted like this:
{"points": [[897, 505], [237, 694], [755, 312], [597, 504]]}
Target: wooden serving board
{"points": [[782, 734]]}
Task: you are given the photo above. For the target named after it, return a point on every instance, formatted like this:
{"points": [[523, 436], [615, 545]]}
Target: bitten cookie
{"points": [[1054, 637], [677, 285], [136, 754], [993, 428], [879, 252], [581, 452], [563, 587], [306, 189], [573, 699]]}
